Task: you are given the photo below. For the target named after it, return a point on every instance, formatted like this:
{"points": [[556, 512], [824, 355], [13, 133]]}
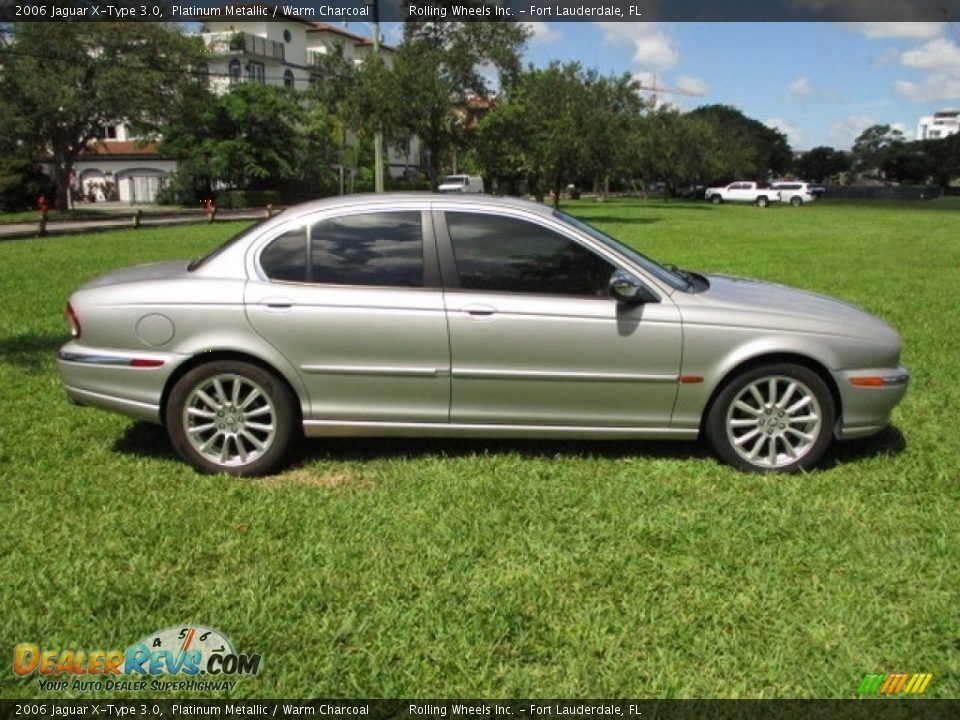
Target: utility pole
{"points": [[378, 135]]}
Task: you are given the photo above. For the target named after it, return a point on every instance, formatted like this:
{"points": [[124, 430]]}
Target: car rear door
{"points": [[354, 303]]}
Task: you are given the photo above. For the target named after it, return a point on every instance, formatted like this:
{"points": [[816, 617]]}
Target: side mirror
{"points": [[628, 289]]}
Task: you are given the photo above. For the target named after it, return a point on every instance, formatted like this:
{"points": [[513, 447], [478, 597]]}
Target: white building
{"points": [[939, 125], [287, 51], [115, 167], [283, 51]]}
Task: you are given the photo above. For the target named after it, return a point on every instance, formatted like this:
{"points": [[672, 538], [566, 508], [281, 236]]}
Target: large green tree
{"points": [[676, 149], [556, 125], [252, 137], [821, 164], [750, 149], [872, 147], [60, 82], [437, 67]]}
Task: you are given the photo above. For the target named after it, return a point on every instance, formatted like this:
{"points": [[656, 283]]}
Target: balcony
{"points": [[242, 43]]}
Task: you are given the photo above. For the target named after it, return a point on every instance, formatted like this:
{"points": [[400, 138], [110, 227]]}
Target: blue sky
{"points": [[820, 83]]}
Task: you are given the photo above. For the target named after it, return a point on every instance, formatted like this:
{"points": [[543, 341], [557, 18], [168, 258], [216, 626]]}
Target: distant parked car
{"points": [[743, 191], [797, 193], [446, 315], [461, 184]]}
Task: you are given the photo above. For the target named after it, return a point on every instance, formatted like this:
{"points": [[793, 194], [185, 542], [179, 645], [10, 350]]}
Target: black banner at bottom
{"points": [[865, 709]]}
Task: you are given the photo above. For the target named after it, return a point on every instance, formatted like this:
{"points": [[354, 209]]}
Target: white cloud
{"points": [[692, 85], [937, 87], [541, 32], [934, 55], [799, 89], [941, 59], [899, 30], [843, 132], [793, 133], [652, 49]]}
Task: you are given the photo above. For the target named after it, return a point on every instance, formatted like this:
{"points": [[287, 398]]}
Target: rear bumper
{"points": [[868, 396], [122, 382]]}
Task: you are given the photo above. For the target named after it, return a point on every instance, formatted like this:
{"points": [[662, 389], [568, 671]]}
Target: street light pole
{"points": [[378, 135]]}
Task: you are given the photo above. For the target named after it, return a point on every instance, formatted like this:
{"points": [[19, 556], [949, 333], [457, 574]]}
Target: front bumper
{"points": [[868, 396]]}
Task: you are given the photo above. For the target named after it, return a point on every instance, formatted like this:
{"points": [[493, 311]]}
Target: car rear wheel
{"points": [[232, 417], [762, 201], [776, 418], [796, 201]]}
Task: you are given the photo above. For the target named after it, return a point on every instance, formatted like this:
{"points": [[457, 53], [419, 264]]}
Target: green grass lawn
{"points": [[430, 569]]}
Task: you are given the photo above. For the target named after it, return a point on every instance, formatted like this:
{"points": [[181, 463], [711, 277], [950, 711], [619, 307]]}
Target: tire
{"points": [[716, 199], [762, 201], [232, 417], [796, 201], [774, 418]]}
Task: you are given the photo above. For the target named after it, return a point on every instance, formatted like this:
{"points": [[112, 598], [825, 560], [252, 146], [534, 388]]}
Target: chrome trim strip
{"points": [[88, 359], [373, 370], [486, 374], [348, 428], [896, 379]]}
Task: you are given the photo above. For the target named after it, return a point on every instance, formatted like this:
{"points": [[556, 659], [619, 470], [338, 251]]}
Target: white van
{"points": [[461, 184]]}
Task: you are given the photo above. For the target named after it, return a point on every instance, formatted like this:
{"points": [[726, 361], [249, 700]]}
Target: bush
{"points": [[247, 198], [410, 181], [21, 182]]}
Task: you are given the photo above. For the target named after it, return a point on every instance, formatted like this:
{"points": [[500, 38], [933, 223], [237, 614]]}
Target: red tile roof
{"points": [[120, 147]]}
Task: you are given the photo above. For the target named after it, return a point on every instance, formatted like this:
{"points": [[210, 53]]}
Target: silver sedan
{"points": [[439, 315]]}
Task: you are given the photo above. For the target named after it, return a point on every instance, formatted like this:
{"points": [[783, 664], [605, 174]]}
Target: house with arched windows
{"points": [[282, 51]]}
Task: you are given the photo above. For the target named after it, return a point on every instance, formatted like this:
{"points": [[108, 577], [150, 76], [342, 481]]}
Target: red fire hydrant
{"points": [[43, 205], [210, 209]]}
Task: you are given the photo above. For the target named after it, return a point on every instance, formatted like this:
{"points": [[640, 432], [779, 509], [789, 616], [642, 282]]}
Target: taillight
{"points": [[73, 320]]}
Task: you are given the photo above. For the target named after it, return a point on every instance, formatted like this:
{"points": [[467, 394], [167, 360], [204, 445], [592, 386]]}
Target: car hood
{"points": [[756, 303], [141, 273]]}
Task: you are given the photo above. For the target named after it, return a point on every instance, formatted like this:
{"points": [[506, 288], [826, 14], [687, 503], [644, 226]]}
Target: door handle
{"points": [[479, 310], [276, 304]]}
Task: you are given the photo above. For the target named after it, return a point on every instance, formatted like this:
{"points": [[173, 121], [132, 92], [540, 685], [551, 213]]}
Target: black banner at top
{"points": [[485, 10], [517, 709]]}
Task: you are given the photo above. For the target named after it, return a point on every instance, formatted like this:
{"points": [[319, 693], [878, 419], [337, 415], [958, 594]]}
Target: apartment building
{"points": [[284, 51], [939, 125]]}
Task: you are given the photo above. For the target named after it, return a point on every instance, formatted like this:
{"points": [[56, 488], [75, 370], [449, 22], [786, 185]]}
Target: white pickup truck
{"points": [[741, 191]]}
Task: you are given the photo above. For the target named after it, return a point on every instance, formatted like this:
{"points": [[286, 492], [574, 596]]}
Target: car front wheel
{"points": [[232, 417], [775, 418], [716, 199]]}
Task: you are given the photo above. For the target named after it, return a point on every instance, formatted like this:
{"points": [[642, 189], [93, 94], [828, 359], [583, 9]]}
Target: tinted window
{"points": [[286, 257], [383, 248], [508, 255]]}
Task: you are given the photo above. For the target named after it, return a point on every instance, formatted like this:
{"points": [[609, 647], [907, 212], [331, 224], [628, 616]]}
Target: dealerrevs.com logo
{"points": [[185, 652]]}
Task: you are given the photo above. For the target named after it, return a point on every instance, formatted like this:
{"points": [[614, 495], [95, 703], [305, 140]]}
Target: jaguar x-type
{"points": [[453, 315]]}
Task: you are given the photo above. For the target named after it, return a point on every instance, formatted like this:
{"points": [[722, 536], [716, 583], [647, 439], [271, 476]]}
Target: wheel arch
{"points": [[772, 358], [217, 355]]}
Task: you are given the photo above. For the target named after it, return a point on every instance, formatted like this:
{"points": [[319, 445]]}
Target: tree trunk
{"points": [[62, 169]]}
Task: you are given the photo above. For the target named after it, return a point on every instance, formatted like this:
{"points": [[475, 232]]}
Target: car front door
{"points": [[535, 337], [354, 303]]}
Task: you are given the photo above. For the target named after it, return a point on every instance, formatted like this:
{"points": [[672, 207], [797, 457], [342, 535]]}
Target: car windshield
{"points": [[663, 274], [455, 180], [201, 261]]}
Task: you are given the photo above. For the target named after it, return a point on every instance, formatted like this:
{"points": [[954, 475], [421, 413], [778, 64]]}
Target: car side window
{"points": [[285, 259], [380, 249], [504, 254]]}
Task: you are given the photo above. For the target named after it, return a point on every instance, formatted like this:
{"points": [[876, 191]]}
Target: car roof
{"points": [[385, 200]]}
